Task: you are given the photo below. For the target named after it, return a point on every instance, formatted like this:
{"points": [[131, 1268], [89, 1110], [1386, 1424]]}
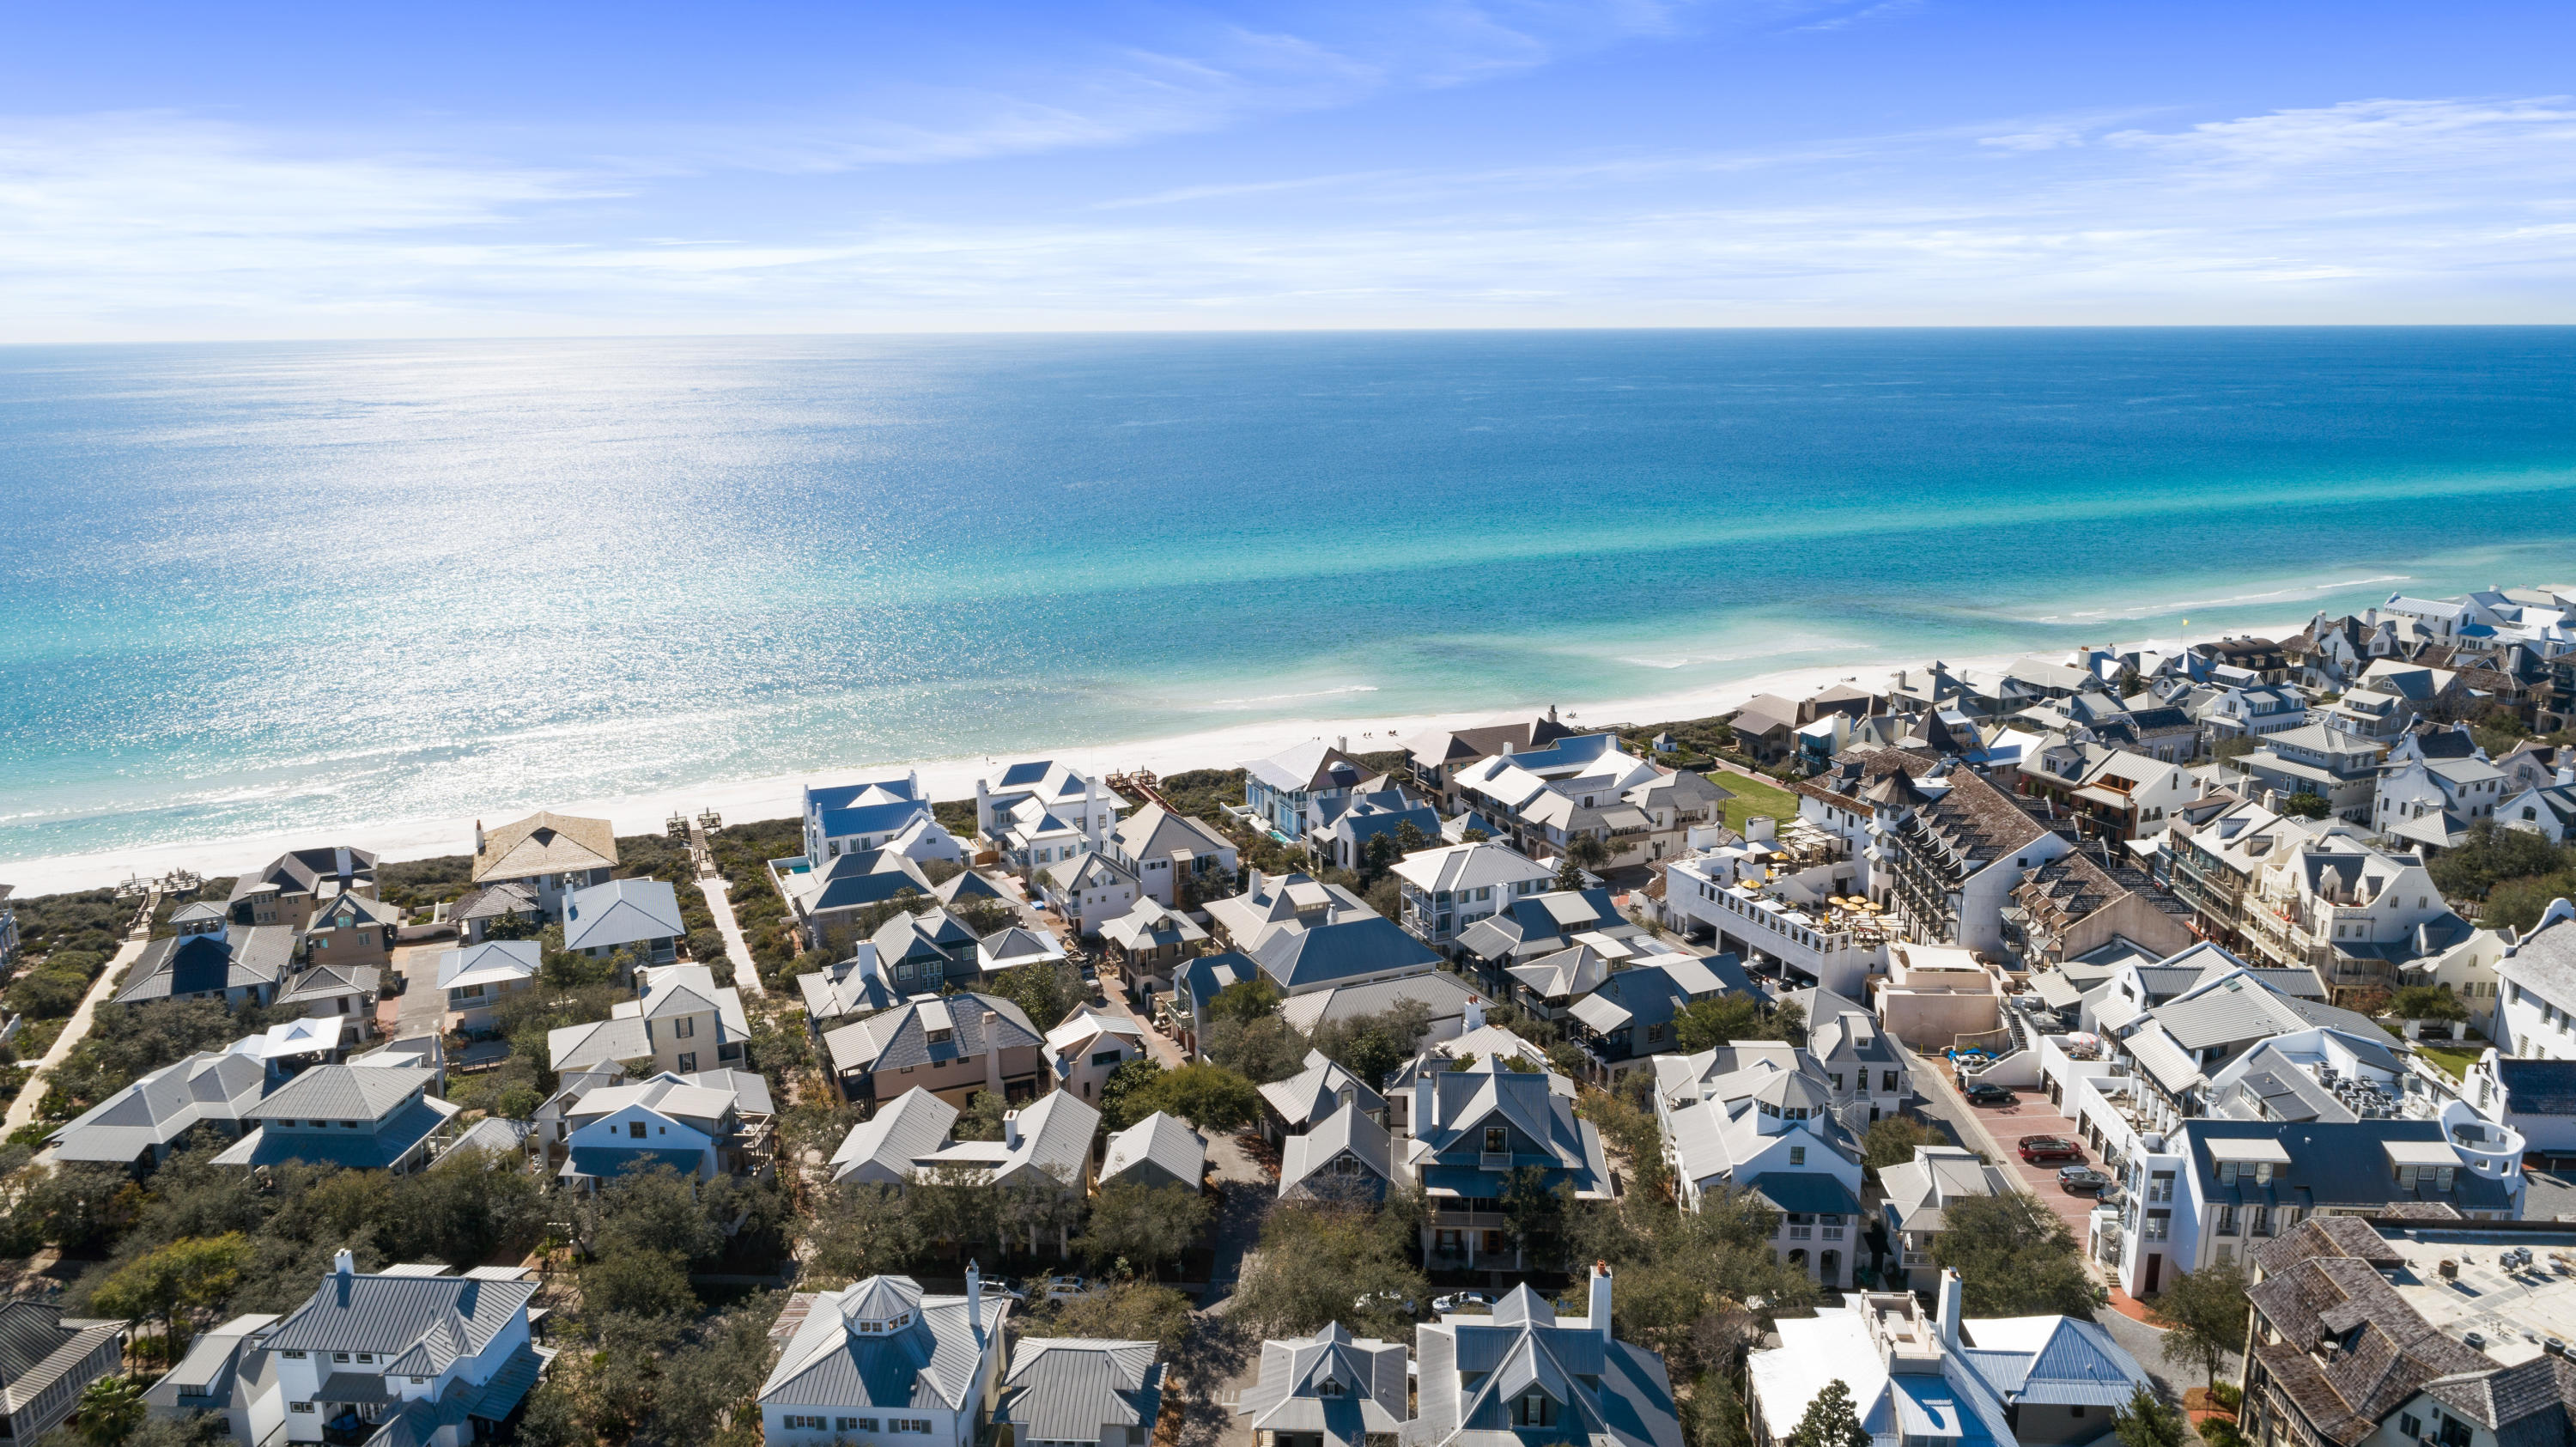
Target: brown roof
{"points": [[544, 844], [2528, 1405], [2327, 1236], [1847, 782], [1977, 821], [2346, 1349]]}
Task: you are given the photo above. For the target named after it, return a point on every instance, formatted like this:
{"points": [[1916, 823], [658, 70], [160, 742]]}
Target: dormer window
{"points": [[941, 1037], [1496, 1140], [1534, 1409], [1329, 1387]]}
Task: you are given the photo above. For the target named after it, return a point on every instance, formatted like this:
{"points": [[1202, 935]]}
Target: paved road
{"points": [[22, 1111], [746, 975], [421, 1009]]}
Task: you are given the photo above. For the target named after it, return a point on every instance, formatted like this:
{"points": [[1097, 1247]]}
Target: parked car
{"points": [[1065, 1288], [2082, 1181], [1986, 1092], [1459, 1301], [2036, 1148], [1384, 1301]]}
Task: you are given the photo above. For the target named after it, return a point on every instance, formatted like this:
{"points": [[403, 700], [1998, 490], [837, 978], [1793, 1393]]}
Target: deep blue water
{"points": [[255, 587]]}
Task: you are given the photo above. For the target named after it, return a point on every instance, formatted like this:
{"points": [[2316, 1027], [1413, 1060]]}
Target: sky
{"points": [[283, 171]]}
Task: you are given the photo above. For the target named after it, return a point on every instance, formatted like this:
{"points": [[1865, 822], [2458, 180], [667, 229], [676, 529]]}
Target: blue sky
{"points": [[288, 171]]}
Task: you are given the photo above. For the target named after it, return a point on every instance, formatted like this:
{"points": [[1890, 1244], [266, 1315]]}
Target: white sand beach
{"points": [[774, 797]]}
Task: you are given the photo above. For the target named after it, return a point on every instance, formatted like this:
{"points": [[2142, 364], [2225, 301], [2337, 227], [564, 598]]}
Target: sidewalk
{"points": [[746, 975], [22, 1111]]}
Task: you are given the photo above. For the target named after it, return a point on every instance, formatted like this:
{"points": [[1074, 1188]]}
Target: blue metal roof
{"points": [[405, 1129]]}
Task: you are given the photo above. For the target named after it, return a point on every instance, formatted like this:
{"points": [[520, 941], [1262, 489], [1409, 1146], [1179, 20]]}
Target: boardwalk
{"points": [[22, 1111], [746, 975]]}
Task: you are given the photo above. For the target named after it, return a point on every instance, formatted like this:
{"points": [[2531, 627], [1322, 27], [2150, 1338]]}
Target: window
{"points": [[2159, 1225], [1496, 1140], [299, 1406], [1887, 1080], [2408, 1425], [1797, 1155], [353, 1125], [295, 1356], [635, 1128], [1654, 1033], [2226, 1221], [688, 1062], [683, 1028], [1106, 1057], [845, 1424], [2160, 1186], [1535, 1409], [366, 1356]]}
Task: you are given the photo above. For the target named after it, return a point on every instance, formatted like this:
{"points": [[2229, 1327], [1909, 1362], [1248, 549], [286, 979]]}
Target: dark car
{"points": [[1986, 1092], [2036, 1148], [2082, 1181]]}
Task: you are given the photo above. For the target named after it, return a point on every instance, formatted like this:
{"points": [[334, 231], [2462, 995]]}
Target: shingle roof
{"points": [[901, 1036], [544, 843]]}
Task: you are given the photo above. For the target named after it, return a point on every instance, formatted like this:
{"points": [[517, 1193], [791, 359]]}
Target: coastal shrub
{"points": [[126, 1042], [2489, 856], [415, 883], [2517, 903], [2305, 805], [47, 993], [706, 945], [89, 919]]}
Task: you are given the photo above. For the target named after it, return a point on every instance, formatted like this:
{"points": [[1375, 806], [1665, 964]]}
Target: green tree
{"points": [[1409, 837], [2427, 1002], [1537, 1213], [1216, 1100], [176, 1284], [1707, 1024], [981, 1120], [1373, 1046], [2306, 805], [1142, 1225], [1328, 1261], [1260, 1050], [1122, 1311], [1130, 1076], [2014, 1258], [2208, 1311], [1590, 851], [1569, 875], [110, 1408], [2148, 1421], [1831, 1420], [2489, 856], [1047, 990], [1890, 1141], [710, 1387], [862, 1230], [1246, 1001], [639, 1283]]}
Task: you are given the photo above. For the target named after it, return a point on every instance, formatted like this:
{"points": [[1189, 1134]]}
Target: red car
{"points": [[2037, 1148]]}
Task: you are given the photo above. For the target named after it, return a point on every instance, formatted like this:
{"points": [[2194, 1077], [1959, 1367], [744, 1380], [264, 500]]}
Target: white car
{"points": [[1459, 1301]]}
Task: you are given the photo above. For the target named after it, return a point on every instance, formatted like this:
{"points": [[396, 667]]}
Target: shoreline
{"points": [[775, 796]]}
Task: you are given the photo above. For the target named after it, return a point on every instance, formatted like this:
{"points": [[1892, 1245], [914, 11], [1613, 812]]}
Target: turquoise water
{"points": [[260, 587]]}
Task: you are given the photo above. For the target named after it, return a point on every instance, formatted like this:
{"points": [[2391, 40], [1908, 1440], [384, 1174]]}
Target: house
{"points": [[1089, 890], [2214, 1188], [1959, 858], [1450, 1008], [1160, 1150], [203, 1379], [641, 916], [1274, 903], [550, 855], [288, 889], [2356, 914], [1301, 1102], [1179, 860], [2113, 793], [880, 1362], [1346, 829], [2316, 1074], [1861, 1063], [1583, 786], [1447, 890], [918, 952], [378, 1119], [1346, 1155], [1918, 1191], [1283, 789], [47, 1361], [325, 991], [2340, 767], [8, 928], [2535, 1099], [2047, 1381], [140, 1125], [683, 1020], [1436, 759], [1524, 1375], [1183, 1014], [1038, 812], [1353, 951], [1089, 1045], [2360, 1338], [830, 899], [210, 958], [409, 1355], [840, 819], [2255, 710], [2536, 1016], [1328, 1390], [1627, 1019], [1769, 1128], [1468, 1132], [1935, 997], [1046, 1147], [509, 907], [852, 989], [352, 931], [2434, 802], [477, 977], [1147, 945], [1766, 727], [698, 1125], [953, 1046], [1013, 946], [1080, 1392], [2087, 899]]}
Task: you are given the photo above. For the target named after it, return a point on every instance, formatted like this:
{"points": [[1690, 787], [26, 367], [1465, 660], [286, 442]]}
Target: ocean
{"points": [[252, 589]]}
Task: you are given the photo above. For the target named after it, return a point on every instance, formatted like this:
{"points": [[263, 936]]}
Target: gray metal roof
{"points": [[1345, 1131], [1067, 1389], [342, 1092], [418, 1324], [932, 1360], [1158, 1142]]}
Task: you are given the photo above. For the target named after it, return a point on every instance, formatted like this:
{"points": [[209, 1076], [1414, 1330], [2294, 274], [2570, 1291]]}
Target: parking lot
{"points": [[2003, 1126]]}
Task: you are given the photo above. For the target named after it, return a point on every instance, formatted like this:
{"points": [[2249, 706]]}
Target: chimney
{"points": [[343, 1264], [1011, 1129], [478, 836], [1472, 1014], [988, 1025], [1949, 1309], [1600, 1319], [1342, 743], [975, 1300], [1091, 809], [2566, 775]]}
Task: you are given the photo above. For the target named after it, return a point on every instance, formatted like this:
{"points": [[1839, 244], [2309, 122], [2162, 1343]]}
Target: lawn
{"points": [[2454, 1060], [1753, 796]]}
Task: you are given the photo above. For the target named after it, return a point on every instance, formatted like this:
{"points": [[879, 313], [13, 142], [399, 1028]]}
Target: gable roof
{"points": [[545, 843], [622, 912], [1372, 945], [901, 1036], [1159, 1141], [1315, 1092]]}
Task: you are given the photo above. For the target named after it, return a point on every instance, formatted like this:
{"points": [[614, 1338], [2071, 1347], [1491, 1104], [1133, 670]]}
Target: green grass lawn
{"points": [[2455, 1062], [1753, 796]]}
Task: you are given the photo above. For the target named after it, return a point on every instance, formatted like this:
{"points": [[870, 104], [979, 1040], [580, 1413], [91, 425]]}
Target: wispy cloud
{"points": [[1221, 190]]}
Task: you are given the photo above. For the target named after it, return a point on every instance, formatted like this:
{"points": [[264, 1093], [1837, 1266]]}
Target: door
{"points": [[1829, 1268], [2155, 1272]]}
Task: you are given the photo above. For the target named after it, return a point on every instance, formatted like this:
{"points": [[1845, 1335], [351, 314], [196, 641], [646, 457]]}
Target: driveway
{"points": [[421, 1009], [1248, 1191], [1996, 1130]]}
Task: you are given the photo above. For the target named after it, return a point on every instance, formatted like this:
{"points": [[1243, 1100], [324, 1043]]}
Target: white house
{"points": [[1089, 889], [1089, 1045], [881, 1364], [1173, 854], [478, 976], [1445, 890], [843, 819], [2536, 1016], [693, 1124], [1768, 1128], [641, 915], [438, 1360], [1038, 812]]}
